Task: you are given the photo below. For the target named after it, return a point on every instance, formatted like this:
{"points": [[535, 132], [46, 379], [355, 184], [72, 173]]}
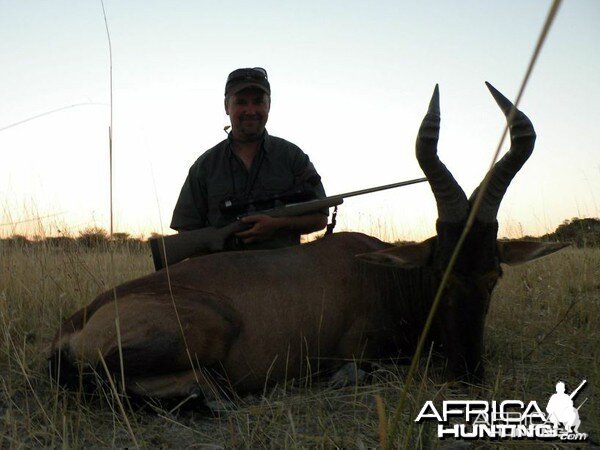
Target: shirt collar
{"points": [[265, 145]]}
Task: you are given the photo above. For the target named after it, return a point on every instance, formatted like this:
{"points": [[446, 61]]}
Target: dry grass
{"points": [[543, 326]]}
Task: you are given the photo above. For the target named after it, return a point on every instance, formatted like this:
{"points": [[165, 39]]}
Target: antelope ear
{"points": [[408, 256], [518, 252]]}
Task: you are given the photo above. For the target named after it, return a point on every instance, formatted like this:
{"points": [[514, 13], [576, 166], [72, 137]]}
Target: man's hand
{"points": [[263, 228]]}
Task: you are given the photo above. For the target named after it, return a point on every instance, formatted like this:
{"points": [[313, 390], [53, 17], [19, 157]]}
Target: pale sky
{"points": [[350, 84]]}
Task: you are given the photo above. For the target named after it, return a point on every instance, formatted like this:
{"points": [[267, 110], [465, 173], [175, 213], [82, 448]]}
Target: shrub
{"points": [[93, 237], [582, 232]]}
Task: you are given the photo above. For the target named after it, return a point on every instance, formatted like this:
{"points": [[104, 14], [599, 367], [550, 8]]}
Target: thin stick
{"points": [[46, 113], [35, 219], [110, 127], [110, 157], [382, 422], [167, 272], [116, 394], [119, 342], [470, 220], [556, 325]]}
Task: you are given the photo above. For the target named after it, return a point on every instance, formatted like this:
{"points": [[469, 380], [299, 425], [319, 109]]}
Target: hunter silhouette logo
{"points": [[508, 419], [560, 408]]}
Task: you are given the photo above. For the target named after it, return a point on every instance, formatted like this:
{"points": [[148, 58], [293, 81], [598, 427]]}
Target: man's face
{"points": [[248, 111]]}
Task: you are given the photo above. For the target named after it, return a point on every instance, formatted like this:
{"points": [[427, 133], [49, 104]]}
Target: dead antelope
{"points": [[256, 317]]}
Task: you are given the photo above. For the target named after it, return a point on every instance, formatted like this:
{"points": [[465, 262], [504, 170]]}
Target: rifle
{"points": [[574, 393], [168, 250]]}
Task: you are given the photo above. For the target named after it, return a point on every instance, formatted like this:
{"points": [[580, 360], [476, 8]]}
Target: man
{"points": [[560, 409], [249, 165]]}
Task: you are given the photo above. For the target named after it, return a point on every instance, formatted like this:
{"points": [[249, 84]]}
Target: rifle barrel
{"points": [[381, 188], [574, 393], [299, 208]]}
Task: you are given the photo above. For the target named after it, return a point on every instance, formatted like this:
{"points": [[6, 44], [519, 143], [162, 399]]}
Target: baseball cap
{"points": [[241, 79]]}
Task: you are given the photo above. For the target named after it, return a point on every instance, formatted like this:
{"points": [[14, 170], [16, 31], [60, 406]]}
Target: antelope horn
{"points": [[522, 141], [451, 200]]}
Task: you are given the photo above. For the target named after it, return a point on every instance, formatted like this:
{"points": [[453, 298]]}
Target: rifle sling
{"points": [[331, 225]]}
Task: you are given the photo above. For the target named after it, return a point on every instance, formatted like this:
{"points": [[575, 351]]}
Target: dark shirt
{"points": [[218, 175]]}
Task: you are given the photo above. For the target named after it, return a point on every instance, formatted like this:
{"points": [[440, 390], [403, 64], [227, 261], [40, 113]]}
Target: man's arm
{"points": [[266, 226], [305, 172], [190, 210]]}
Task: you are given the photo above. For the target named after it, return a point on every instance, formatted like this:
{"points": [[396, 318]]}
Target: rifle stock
{"points": [[168, 250]]}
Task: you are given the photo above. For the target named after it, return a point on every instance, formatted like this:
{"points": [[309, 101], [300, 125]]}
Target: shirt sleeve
{"points": [[190, 212], [305, 172]]}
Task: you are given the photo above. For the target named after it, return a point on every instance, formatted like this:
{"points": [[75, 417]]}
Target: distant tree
{"points": [[124, 240], [120, 237], [18, 241], [137, 244], [63, 242], [93, 237], [402, 242], [583, 232]]}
